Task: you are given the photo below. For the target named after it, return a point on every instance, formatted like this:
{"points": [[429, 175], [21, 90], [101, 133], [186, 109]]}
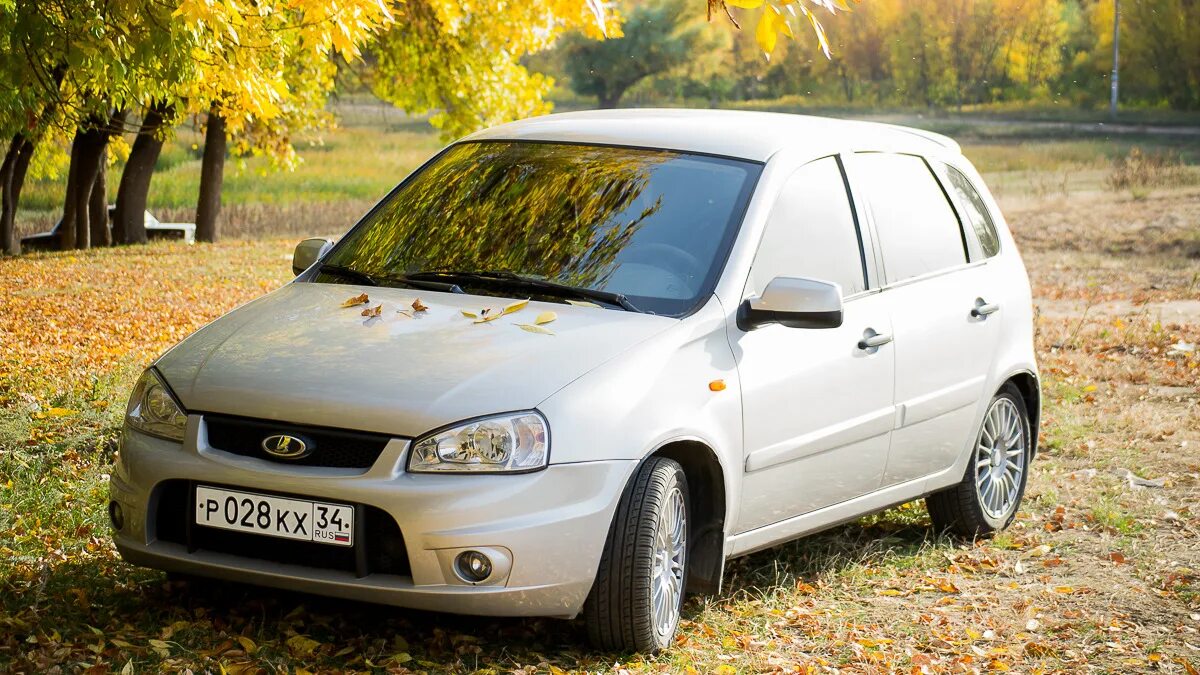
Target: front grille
{"points": [[378, 549], [330, 447]]}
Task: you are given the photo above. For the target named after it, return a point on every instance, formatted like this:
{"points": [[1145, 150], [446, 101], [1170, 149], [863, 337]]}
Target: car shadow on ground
{"points": [[201, 619]]}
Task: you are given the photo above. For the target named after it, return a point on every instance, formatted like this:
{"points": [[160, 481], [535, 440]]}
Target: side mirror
{"points": [[795, 303], [308, 252]]}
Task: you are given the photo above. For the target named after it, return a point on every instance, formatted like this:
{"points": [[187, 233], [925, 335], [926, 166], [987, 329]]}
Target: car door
{"points": [[945, 316], [817, 408]]}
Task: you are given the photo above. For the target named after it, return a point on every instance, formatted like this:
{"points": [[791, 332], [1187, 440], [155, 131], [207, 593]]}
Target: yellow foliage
{"points": [[463, 67]]}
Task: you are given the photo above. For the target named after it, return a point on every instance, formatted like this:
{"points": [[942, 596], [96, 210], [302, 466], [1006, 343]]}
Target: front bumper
{"points": [[550, 525]]}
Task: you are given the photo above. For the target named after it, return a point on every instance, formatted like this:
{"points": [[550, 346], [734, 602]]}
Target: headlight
{"points": [[152, 409], [515, 443]]}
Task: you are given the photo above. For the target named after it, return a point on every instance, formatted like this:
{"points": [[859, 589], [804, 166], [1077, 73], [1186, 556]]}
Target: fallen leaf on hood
{"points": [[545, 317], [469, 315], [515, 306], [487, 315], [584, 303], [373, 311], [356, 300], [534, 329], [418, 306]]}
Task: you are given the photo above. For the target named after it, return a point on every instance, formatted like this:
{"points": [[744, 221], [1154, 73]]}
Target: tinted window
{"points": [[918, 230], [653, 225], [811, 232], [976, 212]]}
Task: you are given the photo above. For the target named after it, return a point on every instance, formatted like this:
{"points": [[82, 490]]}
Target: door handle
{"points": [[982, 308], [873, 341]]}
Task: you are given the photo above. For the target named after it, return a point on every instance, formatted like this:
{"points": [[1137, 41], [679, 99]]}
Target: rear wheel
{"points": [[635, 602], [987, 498]]}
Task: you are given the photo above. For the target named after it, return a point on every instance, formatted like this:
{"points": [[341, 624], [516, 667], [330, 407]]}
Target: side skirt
{"points": [[837, 514]]}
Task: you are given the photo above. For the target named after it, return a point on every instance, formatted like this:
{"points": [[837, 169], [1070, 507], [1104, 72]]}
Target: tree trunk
{"points": [[88, 151], [129, 223], [67, 231], [98, 205], [609, 100], [12, 178], [212, 174], [8, 203]]}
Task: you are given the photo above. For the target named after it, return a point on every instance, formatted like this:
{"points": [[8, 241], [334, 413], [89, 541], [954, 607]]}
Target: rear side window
{"points": [[918, 230], [975, 210], [812, 232]]}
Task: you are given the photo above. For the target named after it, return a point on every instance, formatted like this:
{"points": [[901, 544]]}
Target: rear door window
{"points": [[974, 211], [812, 231], [918, 230]]}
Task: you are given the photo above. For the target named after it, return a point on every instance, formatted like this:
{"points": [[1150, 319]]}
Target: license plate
{"points": [[320, 522]]}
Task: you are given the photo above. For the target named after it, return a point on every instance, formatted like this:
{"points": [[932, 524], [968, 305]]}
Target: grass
{"points": [[1112, 275]]}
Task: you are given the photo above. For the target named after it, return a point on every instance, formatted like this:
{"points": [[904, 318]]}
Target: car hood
{"points": [[297, 355]]}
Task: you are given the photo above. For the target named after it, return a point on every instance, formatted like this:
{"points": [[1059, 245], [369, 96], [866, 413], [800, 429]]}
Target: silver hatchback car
{"points": [[574, 364]]}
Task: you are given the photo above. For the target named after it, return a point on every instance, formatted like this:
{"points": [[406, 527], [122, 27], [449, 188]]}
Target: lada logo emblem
{"points": [[285, 447]]}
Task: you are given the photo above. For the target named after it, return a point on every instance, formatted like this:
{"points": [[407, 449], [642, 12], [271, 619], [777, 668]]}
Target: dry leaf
{"points": [[356, 300], [584, 303], [486, 316], [373, 311], [545, 317], [534, 329], [1038, 650], [469, 315], [1038, 551], [515, 306], [302, 646], [247, 644], [418, 306]]}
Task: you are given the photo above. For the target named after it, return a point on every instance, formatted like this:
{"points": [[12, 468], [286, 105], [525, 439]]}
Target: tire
{"points": [[987, 498], [650, 528]]}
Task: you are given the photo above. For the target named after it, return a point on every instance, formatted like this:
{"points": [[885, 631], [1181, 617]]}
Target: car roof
{"points": [[729, 133]]}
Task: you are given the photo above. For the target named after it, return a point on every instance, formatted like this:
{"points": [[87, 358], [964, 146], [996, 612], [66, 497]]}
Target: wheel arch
{"points": [[1026, 384], [708, 493]]}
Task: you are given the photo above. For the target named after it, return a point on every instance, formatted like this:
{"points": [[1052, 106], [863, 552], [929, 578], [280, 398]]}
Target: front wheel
{"points": [[986, 499], [635, 602]]}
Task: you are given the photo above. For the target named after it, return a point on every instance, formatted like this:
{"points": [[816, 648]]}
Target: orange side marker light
{"points": [[716, 385]]}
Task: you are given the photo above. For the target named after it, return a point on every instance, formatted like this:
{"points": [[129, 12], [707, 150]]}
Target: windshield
{"points": [[652, 226]]}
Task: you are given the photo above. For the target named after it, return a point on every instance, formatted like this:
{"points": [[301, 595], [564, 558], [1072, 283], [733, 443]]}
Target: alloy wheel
{"points": [[670, 550], [1000, 455]]}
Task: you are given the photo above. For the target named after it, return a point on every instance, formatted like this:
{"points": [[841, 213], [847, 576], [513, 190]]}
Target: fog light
{"points": [[473, 566], [116, 515]]}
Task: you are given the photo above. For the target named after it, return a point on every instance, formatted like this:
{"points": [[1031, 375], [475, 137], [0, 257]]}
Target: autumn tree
{"points": [[266, 73], [658, 37], [1160, 52], [465, 69], [32, 68]]}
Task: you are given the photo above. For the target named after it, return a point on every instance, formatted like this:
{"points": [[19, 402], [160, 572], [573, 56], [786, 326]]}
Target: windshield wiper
{"points": [[519, 280], [382, 280], [349, 273]]}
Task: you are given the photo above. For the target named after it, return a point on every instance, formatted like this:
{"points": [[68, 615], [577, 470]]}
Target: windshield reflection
{"points": [[651, 225]]}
